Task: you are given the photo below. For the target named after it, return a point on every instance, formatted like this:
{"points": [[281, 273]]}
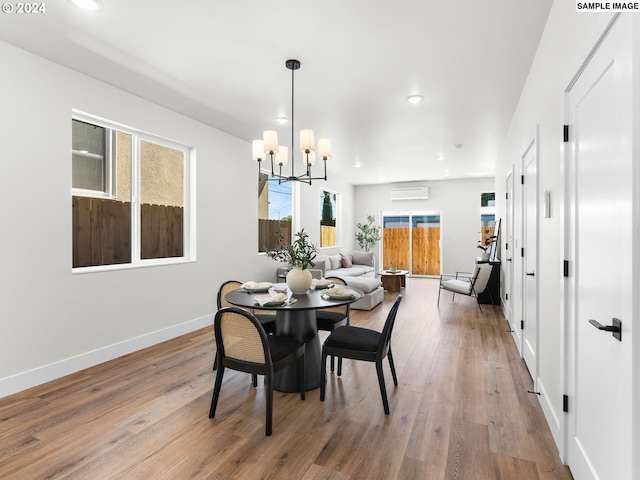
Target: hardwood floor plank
{"points": [[508, 425], [316, 472], [415, 469], [470, 396], [508, 468], [52, 460], [460, 411], [469, 454], [430, 436]]}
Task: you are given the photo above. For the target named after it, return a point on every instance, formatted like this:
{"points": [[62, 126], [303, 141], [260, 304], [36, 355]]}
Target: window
{"points": [[328, 214], [412, 242], [275, 211], [91, 170], [130, 196], [487, 218]]}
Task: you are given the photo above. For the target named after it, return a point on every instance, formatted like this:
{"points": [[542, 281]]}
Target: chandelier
{"points": [[279, 154]]}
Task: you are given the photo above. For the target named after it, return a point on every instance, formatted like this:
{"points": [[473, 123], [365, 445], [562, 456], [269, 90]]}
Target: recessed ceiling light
{"points": [[282, 120], [440, 158], [415, 98], [457, 146], [92, 5], [356, 164]]}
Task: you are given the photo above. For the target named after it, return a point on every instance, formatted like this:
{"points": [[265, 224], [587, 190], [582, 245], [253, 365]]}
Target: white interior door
{"points": [[507, 261], [529, 261], [600, 184]]}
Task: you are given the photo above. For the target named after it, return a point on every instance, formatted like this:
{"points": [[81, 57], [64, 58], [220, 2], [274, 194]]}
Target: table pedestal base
{"points": [[302, 325]]}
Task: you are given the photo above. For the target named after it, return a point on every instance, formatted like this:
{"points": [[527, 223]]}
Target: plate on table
{"points": [[270, 300], [323, 284], [255, 287], [392, 271], [271, 303], [339, 293]]}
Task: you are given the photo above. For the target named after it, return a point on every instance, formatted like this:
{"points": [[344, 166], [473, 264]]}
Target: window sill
{"points": [[130, 266]]}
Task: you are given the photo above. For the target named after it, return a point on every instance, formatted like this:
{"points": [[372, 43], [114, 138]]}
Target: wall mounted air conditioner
{"points": [[410, 193]]}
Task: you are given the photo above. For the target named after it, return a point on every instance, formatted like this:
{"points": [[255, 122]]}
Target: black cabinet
{"points": [[493, 287]]}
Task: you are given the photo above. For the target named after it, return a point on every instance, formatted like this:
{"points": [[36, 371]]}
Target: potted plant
{"points": [[299, 255], [368, 234]]}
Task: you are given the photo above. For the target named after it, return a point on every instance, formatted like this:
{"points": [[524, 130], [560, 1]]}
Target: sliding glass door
{"points": [[411, 241]]}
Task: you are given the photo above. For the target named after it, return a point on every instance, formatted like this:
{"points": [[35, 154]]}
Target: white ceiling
{"points": [[223, 62]]}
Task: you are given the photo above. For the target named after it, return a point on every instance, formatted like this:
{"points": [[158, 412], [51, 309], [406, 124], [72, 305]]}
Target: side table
{"points": [[393, 281]]}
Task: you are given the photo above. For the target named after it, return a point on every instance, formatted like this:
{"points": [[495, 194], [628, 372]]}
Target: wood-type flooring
{"points": [[460, 411]]}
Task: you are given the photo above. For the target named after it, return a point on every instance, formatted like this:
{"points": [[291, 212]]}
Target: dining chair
{"points": [[268, 321], [470, 284], [243, 345], [358, 343], [328, 319]]}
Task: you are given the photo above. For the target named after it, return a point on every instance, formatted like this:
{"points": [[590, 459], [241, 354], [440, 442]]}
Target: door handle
{"points": [[508, 259], [616, 328], [531, 274]]}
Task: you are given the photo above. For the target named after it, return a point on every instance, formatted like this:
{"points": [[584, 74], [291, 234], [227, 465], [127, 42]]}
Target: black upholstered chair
{"points": [[243, 345], [328, 319], [365, 344], [268, 321]]}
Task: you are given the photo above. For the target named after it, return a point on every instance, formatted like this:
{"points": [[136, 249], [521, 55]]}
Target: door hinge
{"points": [[565, 133], [521, 324], [565, 403], [506, 196], [565, 268], [506, 246], [522, 252], [506, 296], [522, 179]]}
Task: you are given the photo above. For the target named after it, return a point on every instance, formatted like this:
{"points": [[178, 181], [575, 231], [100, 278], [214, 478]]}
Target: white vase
{"points": [[299, 280]]}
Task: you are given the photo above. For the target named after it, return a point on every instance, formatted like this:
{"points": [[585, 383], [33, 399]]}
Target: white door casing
{"points": [[599, 240], [508, 262], [529, 260]]}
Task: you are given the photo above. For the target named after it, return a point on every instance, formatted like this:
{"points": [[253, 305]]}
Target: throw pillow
{"points": [[346, 261], [322, 262], [336, 261], [363, 258]]}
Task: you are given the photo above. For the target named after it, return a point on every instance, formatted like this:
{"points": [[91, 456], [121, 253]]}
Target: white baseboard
{"points": [[46, 373], [554, 422]]}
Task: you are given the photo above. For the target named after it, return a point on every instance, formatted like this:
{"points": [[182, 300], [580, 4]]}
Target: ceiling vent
{"points": [[410, 193]]}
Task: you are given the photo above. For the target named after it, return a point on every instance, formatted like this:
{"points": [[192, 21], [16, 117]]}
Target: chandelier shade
{"points": [[279, 155]]}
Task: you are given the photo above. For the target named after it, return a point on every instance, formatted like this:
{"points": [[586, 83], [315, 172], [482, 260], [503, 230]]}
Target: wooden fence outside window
{"points": [[102, 231]]}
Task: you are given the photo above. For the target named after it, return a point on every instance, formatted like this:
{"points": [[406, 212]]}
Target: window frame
{"points": [[189, 193], [109, 169]]}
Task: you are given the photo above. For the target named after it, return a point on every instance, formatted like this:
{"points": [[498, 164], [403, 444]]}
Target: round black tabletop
{"points": [[312, 300]]}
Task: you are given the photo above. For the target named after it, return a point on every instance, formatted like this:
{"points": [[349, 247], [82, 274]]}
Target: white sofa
{"points": [[356, 269]]}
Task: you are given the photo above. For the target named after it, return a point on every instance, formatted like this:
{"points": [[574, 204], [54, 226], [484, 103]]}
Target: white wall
{"points": [[566, 42], [52, 322], [458, 202]]}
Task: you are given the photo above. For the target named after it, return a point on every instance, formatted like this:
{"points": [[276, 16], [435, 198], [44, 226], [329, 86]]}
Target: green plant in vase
{"points": [[299, 255]]}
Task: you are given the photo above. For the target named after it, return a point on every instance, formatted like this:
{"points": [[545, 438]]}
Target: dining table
{"points": [[296, 318]]}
